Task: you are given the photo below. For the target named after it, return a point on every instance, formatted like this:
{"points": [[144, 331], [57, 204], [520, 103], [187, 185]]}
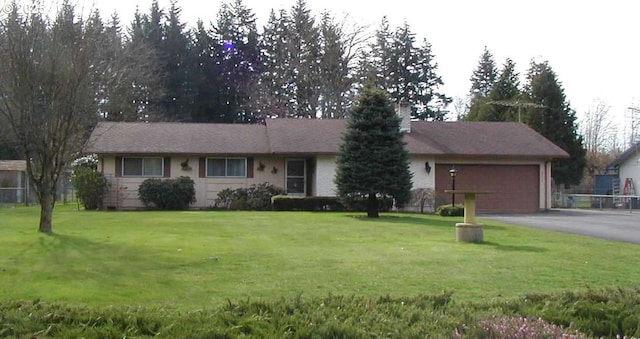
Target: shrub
{"points": [[521, 327], [450, 211], [90, 186], [253, 198], [298, 203], [294, 203], [168, 194], [359, 203]]}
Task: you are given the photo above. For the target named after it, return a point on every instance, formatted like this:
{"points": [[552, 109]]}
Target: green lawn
{"points": [[202, 258]]}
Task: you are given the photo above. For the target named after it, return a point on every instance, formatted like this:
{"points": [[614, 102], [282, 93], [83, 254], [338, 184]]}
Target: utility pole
{"points": [[635, 124]]}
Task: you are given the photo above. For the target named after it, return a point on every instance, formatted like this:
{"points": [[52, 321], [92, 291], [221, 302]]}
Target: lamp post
{"points": [[453, 172]]}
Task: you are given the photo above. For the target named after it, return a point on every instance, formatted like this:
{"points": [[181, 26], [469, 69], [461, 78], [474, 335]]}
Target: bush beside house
{"points": [[168, 194], [252, 198], [90, 185]]}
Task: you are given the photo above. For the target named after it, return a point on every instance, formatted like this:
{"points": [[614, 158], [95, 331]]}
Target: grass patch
{"points": [[192, 259]]}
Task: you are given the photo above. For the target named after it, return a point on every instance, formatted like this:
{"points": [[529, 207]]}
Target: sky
{"points": [[591, 45]]}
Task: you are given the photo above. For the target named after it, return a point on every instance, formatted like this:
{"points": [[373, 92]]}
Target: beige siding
{"points": [[422, 179], [123, 193]]}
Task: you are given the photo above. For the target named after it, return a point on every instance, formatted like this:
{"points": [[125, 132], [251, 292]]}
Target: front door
{"points": [[296, 177]]}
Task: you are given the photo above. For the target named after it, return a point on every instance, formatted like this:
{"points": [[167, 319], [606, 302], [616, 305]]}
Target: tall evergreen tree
{"points": [[506, 90], [209, 106], [305, 54], [240, 62], [407, 71], [372, 160], [126, 97], [504, 102], [555, 120], [276, 85], [335, 73], [177, 59], [482, 80], [375, 65], [430, 103], [484, 76]]}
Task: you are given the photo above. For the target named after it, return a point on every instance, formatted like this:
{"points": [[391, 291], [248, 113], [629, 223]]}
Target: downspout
{"points": [[547, 184]]}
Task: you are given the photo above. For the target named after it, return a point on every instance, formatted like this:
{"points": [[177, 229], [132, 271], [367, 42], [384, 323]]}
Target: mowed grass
{"points": [[198, 259]]}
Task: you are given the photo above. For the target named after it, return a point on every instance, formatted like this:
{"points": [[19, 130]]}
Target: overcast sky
{"points": [[593, 46]]}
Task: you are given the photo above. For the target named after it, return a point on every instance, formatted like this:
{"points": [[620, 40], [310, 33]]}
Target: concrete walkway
{"points": [[619, 225]]}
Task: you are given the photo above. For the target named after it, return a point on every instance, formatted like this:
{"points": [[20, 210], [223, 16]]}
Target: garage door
{"points": [[515, 187]]}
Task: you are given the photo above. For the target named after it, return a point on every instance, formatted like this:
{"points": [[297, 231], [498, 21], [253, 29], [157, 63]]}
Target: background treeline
{"points": [[296, 66]]}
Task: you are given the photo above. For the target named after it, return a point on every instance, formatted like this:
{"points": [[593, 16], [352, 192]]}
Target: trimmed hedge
{"points": [[293, 203], [314, 204]]}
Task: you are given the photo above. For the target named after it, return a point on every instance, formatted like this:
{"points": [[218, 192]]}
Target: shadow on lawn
{"points": [[427, 220], [106, 261], [405, 219], [513, 248]]}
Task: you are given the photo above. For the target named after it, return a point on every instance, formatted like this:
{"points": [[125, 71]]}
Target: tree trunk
{"points": [[372, 206], [47, 201]]}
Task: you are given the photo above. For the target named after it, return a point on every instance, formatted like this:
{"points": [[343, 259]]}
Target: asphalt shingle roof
{"points": [[310, 136]]}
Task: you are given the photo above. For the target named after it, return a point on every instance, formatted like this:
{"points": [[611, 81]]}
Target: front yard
{"points": [[196, 259]]}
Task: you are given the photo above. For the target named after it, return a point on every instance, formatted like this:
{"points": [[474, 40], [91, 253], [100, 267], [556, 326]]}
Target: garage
{"points": [[515, 188]]}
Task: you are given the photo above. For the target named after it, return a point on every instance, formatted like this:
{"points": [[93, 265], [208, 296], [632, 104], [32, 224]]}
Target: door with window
{"points": [[296, 177]]}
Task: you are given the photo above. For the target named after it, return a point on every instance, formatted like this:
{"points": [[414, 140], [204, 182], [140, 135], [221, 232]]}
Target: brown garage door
{"points": [[515, 187]]}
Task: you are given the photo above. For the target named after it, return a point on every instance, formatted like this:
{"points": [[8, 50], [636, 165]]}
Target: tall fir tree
{"points": [[276, 85], [336, 78], [375, 66], [506, 90], [482, 80], [372, 160], [431, 103], [126, 97], [209, 106], [169, 44], [305, 54], [176, 55], [484, 76], [555, 120], [504, 102], [407, 71], [240, 62]]}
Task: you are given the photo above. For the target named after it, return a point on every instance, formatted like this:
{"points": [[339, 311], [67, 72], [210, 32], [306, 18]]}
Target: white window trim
{"points": [[304, 177], [206, 169], [142, 176]]}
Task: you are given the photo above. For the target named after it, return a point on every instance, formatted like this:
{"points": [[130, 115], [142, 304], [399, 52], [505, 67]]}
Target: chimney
{"points": [[404, 111]]}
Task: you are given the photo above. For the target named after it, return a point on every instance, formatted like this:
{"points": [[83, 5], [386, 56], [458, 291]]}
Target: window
{"points": [[143, 167], [296, 178], [227, 167]]}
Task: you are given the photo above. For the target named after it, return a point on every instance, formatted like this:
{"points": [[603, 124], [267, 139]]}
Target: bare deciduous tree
{"points": [[50, 91], [598, 130]]}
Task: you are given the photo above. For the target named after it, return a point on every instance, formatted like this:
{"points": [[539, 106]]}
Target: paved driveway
{"points": [[606, 224]]}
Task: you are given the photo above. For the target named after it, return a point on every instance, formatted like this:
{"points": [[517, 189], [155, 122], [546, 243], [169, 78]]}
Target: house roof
{"points": [[631, 151], [311, 136], [178, 138]]}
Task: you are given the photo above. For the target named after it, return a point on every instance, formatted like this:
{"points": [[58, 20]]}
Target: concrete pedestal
{"points": [[469, 230], [466, 232]]}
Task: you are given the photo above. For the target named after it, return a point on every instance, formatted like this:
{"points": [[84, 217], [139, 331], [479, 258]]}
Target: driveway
{"points": [[619, 225]]}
